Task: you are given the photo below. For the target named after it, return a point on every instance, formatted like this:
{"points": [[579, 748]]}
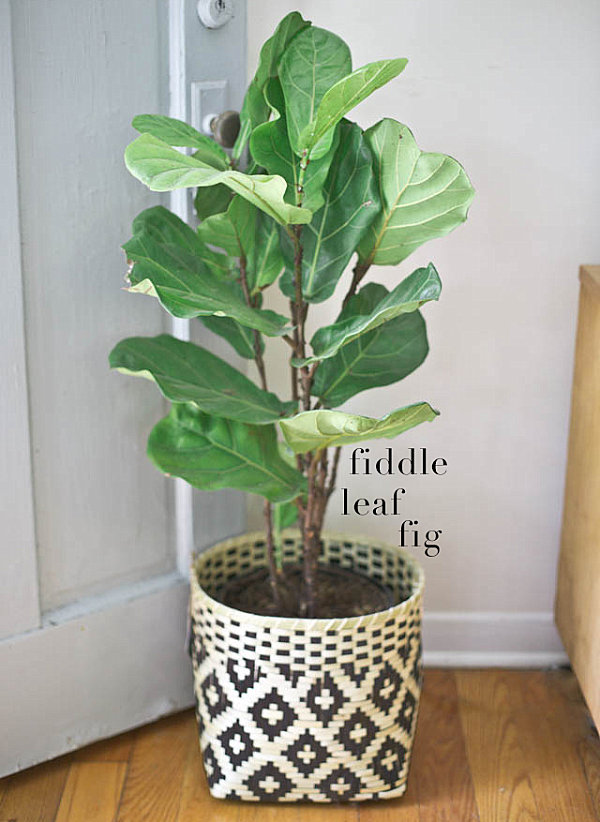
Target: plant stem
{"points": [[360, 269], [267, 512], [273, 574], [334, 469]]}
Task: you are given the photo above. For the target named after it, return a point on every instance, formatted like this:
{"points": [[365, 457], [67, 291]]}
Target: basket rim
{"points": [[307, 623]]}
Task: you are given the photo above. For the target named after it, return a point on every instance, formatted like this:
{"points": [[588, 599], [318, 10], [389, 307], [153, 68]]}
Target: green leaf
{"points": [[238, 336], [166, 228], [424, 195], [245, 231], [419, 287], [271, 149], [254, 108], [210, 453], [265, 260], [314, 430], [351, 204], [186, 288], [212, 200], [185, 372], [177, 133], [344, 96], [163, 168], [312, 63], [385, 355], [233, 230]]}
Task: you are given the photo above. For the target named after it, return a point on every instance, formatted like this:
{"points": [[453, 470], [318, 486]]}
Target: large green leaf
{"points": [[314, 430], [351, 204], [424, 195], [238, 336], [211, 200], [210, 453], [344, 96], [167, 228], [163, 168], [186, 288], [185, 372], [233, 230], [254, 108], [245, 231], [271, 149], [265, 262], [419, 287], [312, 63], [177, 133], [385, 355]]}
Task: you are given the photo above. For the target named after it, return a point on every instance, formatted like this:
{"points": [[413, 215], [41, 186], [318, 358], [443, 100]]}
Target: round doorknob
{"points": [[225, 128]]}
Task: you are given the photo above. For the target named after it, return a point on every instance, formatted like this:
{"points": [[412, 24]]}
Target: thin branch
{"points": [[273, 574], [334, 470], [360, 269], [267, 511]]}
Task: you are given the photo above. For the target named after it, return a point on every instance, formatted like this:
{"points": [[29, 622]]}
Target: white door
{"points": [[94, 542]]}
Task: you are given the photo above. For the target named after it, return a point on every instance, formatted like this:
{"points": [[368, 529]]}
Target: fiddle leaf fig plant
{"points": [[304, 193]]}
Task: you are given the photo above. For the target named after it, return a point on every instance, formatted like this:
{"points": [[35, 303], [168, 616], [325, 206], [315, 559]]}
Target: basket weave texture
{"points": [[322, 710]]}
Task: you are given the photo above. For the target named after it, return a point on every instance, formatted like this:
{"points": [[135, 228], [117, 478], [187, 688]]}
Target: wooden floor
{"points": [[491, 745]]}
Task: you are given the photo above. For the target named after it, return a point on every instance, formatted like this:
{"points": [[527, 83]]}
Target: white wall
{"points": [[509, 89]]}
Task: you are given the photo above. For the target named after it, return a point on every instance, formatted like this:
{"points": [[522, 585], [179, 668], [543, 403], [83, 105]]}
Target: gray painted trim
{"points": [[95, 675], [19, 596]]}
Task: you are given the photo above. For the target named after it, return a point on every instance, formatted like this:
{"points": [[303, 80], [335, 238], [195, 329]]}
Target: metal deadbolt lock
{"points": [[215, 13]]}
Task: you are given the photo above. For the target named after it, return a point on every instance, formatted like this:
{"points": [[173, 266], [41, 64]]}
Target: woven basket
{"points": [[322, 710]]}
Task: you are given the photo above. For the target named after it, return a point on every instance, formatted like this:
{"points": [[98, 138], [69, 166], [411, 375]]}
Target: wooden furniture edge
{"points": [[589, 276]]}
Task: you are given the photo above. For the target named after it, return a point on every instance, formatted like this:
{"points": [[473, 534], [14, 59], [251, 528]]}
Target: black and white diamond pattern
{"points": [[385, 687], [269, 783], [214, 773], [357, 732], [356, 674], [214, 697], [407, 711], [296, 711], [307, 753], [341, 785], [389, 762], [237, 744], [325, 698], [242, 674], [272, 714]]}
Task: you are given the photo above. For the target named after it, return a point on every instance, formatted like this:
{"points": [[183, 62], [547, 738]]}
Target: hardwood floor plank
{"points": [[261, 812], [92, 792], [440, 768], [196, 802], [589, 752], [491, 745], [552, 727], [155, 779], [116, 749], [404, 809], [316, 812], [580, 724], [500, 765], [34, 795]]}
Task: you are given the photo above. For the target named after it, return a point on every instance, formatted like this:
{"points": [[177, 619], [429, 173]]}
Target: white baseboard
{"points": [[474, 639]]}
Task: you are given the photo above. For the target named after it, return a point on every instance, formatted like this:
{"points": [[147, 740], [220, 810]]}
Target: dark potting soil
{"points": [[339, 593]]}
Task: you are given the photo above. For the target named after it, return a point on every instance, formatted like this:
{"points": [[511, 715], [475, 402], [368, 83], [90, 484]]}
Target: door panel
{"points": [[88, 528], [78, 82]]}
